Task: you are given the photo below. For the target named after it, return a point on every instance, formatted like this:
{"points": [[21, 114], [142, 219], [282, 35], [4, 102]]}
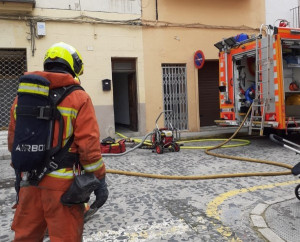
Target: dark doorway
{"points": [[208, 82], [125, 94]]}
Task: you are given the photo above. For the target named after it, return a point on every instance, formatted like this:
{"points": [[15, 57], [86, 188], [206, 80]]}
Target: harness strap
{"points": [[55, 160], [68, 160], [40, 112], [56, 96]]}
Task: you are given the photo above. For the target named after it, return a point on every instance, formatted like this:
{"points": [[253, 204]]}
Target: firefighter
{"points": [[39, 206]]}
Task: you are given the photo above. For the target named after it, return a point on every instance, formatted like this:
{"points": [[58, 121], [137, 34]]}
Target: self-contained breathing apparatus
{"points": [[36, 112]]}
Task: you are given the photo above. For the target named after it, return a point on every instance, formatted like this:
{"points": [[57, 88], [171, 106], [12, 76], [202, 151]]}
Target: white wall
{"points": [[279, 9], [110, 6]]}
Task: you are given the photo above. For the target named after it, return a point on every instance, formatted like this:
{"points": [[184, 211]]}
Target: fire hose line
{"points": [[243, 142], [214, 176]]}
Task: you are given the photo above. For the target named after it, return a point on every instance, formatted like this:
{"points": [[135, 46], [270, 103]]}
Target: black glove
{"points": [[101, 194]]}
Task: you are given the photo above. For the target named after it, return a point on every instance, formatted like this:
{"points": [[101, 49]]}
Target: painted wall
{"points": [[182, 28], [97, 42], [280, 9], [100, 33]]}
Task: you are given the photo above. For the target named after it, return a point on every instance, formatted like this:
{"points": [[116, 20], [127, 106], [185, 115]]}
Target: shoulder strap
{"points": [[56, 154], [59, 94]]}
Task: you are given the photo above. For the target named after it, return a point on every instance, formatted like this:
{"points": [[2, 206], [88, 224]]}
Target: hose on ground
{"points": [[126, 152], [149, 143], [215, 176], [243, 142], [208, 152]]}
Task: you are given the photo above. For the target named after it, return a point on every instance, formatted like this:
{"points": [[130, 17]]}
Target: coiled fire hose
{"points": [[214, 176]]}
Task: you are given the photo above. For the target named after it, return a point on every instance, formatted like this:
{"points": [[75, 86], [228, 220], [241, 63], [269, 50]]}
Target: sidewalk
{"points": [[278, 220]]}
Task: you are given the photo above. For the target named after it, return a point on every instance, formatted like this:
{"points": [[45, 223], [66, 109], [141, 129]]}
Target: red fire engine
{"points": [[262, 71]]}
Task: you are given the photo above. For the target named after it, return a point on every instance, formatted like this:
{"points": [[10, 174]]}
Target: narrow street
{"points": [[146, 209]]}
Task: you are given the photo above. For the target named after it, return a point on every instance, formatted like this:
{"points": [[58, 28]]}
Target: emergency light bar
{"points": [[230, 41], [219, 45]]}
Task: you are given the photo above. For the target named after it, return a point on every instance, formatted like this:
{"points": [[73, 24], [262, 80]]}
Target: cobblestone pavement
{"points": [[145, 209]]}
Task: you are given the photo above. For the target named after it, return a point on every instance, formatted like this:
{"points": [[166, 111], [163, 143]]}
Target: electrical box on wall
{"points": [[106, 85], [41, 28]]}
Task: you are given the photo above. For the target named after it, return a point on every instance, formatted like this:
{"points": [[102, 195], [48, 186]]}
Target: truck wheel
{"points": [[297, 191]]}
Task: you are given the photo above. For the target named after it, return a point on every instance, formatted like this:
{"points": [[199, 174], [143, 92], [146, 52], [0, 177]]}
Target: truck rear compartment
{"points": [[291, 81]]}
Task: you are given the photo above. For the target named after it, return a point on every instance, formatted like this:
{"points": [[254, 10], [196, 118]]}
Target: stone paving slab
{"points": [[259, 209], [258, 221], [270, 235]]}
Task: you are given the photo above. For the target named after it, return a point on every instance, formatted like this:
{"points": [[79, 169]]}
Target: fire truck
{"points": [[261, 72]]}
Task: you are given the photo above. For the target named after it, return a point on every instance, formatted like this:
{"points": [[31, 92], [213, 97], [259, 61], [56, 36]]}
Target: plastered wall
{"points": [[96, 42], [182, 28]]}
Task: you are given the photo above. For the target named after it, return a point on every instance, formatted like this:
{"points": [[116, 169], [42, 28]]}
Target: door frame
{"points": [[129, 67]]}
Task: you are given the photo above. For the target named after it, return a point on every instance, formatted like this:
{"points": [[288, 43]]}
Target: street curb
{"points": [[257, 218], [270, 235]]}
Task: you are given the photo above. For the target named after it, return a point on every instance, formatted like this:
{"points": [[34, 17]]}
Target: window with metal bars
{"points": [[12, 65], [175, 95]]}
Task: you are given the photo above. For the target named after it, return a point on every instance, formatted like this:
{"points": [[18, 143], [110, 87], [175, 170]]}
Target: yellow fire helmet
{"points": [[62, 53]]}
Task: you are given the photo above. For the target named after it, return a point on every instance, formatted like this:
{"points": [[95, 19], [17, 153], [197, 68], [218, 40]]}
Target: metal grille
{"points": [[175, 95], [12, 66]]}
